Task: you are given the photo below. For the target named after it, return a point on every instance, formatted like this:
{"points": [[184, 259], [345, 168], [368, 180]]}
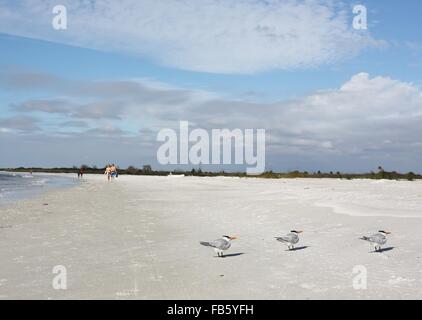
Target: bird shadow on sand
{"points": [[231, 255], [383, 250], [298, 248]]}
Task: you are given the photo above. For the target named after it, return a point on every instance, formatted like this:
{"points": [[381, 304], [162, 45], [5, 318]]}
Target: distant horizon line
{"points": [[147, 169]]}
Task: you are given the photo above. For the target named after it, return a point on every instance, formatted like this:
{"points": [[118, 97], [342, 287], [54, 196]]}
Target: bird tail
{"points": [[207, 244], [364, 238], [280, 239]]}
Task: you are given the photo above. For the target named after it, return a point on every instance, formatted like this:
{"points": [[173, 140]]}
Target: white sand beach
{"points": [[138, 238]]}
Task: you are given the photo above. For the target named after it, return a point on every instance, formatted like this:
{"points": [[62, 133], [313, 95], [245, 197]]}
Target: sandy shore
{"points": [[138, 238]]}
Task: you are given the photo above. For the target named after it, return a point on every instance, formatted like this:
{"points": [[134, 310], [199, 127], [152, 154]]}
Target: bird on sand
{"points": [[377, 239], [290, 239], [219, 245]]}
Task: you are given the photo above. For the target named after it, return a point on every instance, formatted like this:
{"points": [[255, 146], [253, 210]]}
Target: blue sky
{"points": [[329, 96]]}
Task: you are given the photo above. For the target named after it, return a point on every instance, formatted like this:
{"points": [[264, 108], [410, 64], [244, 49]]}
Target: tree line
{"points": [[147, 170]]}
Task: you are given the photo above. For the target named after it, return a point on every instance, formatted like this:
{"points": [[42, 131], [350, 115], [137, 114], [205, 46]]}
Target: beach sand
{"points": [[138, 238]]}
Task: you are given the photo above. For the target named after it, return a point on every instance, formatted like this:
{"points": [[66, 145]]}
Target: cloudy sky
{"points": [[330, 97]]}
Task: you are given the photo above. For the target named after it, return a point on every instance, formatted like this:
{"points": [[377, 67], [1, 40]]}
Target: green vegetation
{"points": [[147, 170]]}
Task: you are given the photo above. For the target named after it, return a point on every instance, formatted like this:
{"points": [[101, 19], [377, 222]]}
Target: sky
{"points": [[330, 97]]}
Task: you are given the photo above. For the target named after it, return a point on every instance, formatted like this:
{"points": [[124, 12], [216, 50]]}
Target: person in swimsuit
{"points": [[113, 170], [81, 173], [108, 172]]}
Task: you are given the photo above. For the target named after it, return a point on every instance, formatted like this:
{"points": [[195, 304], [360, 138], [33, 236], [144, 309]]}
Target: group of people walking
{"points": [[111, 172]]}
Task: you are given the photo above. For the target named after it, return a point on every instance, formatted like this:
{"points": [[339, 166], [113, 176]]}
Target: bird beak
{"points": [[300, 231], [387, 232], [233, 238]]}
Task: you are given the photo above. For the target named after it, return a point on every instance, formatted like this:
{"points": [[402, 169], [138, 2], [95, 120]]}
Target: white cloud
{"points": [[19, 123], [367, 120], [356, 118], [231, 36]]}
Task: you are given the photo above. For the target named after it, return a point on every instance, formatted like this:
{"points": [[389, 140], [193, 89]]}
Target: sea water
{"points": [[16, 186]]}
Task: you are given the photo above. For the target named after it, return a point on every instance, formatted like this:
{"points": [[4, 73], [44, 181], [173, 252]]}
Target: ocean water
{"points": [[16, 186]]}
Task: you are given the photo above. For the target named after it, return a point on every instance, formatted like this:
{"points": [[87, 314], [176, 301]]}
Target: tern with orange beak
{"points": [[377, 239], [290, 239], [219, 245]]}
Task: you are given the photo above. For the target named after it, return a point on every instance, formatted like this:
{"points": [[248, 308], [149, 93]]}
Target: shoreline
{"points": [[138, 238], [43, 182]]}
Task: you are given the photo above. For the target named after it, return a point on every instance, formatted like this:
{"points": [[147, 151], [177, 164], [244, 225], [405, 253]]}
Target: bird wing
{"points": [[204, 243], [376, 238], [221, 244], [283, 239], [291, 238]]}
